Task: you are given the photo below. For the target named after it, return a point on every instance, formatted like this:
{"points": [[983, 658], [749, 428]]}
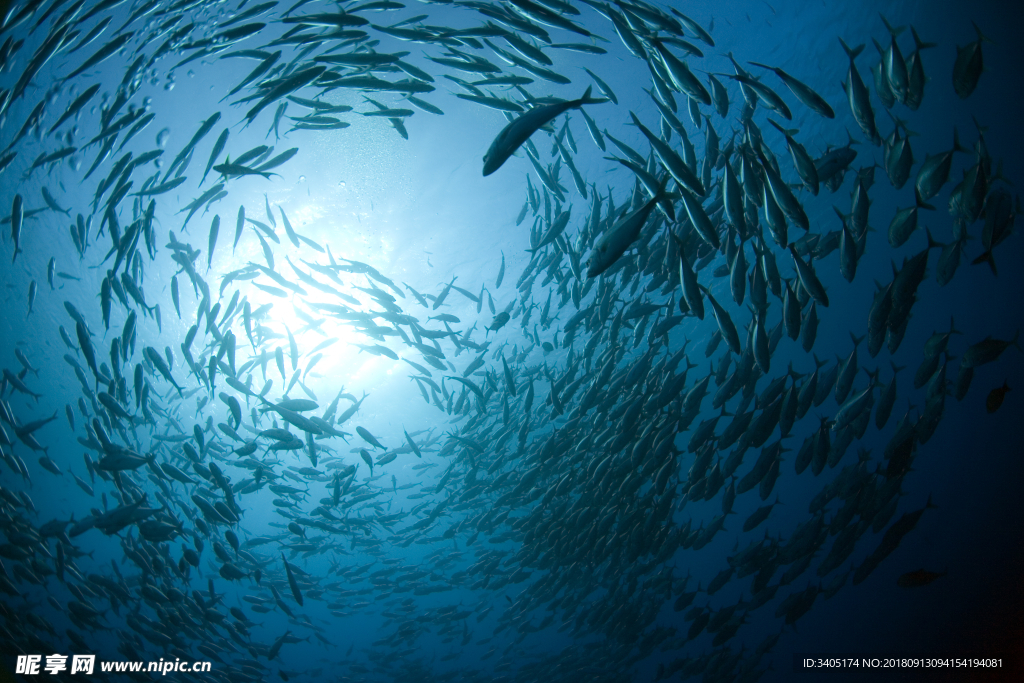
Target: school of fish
{"points": [[588, 449]]}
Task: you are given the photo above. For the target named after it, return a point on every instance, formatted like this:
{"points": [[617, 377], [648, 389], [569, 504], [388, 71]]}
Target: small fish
{"points": [[296, 593], [995, 398], [214, 230], [499, 322], [17, 217], [918, 578], [803, 93], [369, 438], [859, 97], [218, 147], [969, 65], [76, 106], [31, 296]]}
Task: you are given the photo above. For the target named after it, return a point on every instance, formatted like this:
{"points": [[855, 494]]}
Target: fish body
{"points": [[918, 578], [808, 279], [521, 128], [618, 238], [987, 351], [968, 66], [17, 219], [859, 97], [995, 398], [803, 92], [934, 171]]}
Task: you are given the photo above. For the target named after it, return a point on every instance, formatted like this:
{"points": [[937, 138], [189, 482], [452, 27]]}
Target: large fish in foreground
{"points": [[519, 131]]}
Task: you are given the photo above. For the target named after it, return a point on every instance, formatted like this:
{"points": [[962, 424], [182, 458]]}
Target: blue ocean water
{"points": [[420, 588]]}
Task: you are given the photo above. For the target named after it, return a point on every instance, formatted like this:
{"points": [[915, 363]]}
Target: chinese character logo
{"points": [[82, 664], [28, 664]]}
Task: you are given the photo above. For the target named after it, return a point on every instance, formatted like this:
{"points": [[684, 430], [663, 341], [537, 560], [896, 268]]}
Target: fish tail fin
{"points": [[932, 244], [906, 131], [930, 504], [788, 132], [892, 31], [587, 99], [896, 368], [987, 257], [878, 46], [857, 340], [918, 43], [920, 202], [793, 373], [981, 36], [999, 175], [957, 147], [661, 187], [851, 53]]}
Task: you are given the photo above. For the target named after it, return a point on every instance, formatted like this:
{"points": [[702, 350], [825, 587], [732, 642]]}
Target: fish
{"points": [[296, 593], [934, 172], [618, 238], [726, 326], [987, 351], [859, 97], [17, 218], [918, 578], [522, 128], [682, 78], [369, 438], [76, 106], [806, 95], [158, 362], [995, 398], [500, 320], [894, 67], [771, 99], [968, 66], [218, 147], [679, 171], [214, 229], [102, 54], [999, 219], [31, 297], [803, 162], [808, 279]]}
